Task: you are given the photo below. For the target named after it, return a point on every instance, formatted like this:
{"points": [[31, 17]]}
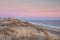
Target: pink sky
{"points": [[42, 10]]}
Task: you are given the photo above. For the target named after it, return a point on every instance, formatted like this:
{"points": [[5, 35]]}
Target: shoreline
{"points": [[45, 25], [57, 29]]}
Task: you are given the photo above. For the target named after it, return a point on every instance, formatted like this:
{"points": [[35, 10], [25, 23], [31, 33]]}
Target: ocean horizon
{"points": [[49, 23]]}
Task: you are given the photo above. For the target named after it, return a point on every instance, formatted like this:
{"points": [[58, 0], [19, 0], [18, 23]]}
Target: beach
{"points": [[55, 30]]}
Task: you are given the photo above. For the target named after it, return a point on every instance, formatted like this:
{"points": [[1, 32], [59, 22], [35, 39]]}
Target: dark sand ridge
{"points": [[14, 29]]}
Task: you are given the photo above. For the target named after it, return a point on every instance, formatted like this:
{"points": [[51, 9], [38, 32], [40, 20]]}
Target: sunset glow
{"points": [[30, 8]]}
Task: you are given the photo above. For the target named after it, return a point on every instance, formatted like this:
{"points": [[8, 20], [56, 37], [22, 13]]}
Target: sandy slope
{"points": [[14, 29]]}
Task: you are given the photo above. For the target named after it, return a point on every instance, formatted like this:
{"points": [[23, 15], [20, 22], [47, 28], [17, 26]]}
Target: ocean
{"points": [[49, 23]]}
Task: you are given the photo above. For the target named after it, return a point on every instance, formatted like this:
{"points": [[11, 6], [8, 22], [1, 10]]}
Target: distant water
{"points": [[48, 23]]}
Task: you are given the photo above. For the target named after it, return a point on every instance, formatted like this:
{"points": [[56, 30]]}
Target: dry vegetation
{"points": [[14, 29]]}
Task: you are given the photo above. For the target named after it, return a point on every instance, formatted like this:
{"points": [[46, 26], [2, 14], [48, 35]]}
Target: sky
{"points": [[30, 8]]}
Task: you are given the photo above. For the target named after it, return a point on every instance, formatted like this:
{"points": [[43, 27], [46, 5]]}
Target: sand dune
{"points": [[14, 29]]}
